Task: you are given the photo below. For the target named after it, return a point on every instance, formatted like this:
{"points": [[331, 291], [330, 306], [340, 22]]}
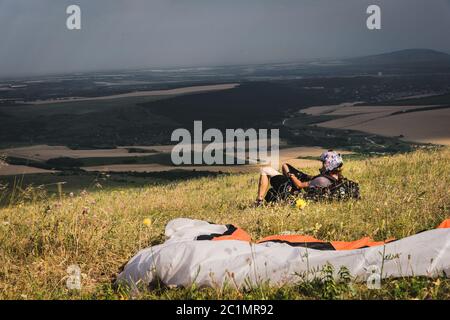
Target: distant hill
{"points": [[402, 57]]}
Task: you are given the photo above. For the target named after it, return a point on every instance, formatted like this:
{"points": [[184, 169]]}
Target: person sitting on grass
{"points": [[292, 181]]}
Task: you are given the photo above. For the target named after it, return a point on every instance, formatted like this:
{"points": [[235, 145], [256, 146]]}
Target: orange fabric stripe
{"points": [[239, 234], [291, 238], [351, 245], [338, 245], [357, 244], [444, 224]]}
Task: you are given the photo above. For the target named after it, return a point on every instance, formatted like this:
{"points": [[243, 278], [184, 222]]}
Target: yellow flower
{"points": [[122, 297], [300, 204], [147, 222]]}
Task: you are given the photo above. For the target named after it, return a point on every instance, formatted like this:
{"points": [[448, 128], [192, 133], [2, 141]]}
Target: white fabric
{"points": [[182, 261]]}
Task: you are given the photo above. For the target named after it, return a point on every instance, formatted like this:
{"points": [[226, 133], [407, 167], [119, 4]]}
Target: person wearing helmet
{"points": [[331, 171], [293, 180]]}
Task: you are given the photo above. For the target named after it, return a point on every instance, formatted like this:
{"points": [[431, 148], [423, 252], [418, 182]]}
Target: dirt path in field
{"points": [[178, 91], [45, 152], [16, 170]]}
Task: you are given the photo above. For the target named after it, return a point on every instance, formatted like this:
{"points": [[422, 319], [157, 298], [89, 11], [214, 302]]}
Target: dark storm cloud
{"points": [[119, 34]]}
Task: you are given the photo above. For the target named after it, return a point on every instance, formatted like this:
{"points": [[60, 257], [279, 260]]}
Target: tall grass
{"points": [[41, 235]]}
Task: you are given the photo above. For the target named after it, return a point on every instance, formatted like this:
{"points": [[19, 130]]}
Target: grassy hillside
{"points": [[41, 235]]}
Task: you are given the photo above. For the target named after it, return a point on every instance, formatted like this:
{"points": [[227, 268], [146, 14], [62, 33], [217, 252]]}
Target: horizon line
{"points": [[136, 69]]}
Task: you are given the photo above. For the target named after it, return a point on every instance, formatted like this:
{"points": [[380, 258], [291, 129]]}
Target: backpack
{"points": [[342, 189]]}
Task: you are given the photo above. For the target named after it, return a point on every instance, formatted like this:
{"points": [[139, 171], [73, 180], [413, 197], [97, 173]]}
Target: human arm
{"points": [[297, 183]]}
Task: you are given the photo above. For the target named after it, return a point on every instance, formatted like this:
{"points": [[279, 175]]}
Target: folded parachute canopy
{"points": [[211, 255]]}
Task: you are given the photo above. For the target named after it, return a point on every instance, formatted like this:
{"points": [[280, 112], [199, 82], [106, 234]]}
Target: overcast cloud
{"points": [[120, 34]]}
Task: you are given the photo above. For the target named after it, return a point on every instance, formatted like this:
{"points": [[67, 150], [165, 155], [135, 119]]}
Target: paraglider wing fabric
{"points": [[182, 260], [444, 224], [232, 233], [299, 241], [313, 243]]}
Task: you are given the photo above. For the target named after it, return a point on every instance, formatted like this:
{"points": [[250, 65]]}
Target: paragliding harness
{"points": [[284, 190], [340, 189]]}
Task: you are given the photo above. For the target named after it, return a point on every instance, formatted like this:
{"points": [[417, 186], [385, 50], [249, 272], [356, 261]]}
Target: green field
{"points": [[99, 229]]}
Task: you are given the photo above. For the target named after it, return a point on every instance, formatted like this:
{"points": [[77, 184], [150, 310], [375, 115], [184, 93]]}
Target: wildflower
{"points": [[300, 204], [317, 227], [71, 195], [147, 222]]}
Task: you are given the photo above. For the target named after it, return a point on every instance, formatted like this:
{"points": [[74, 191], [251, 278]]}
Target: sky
{"points": [[130, 34]]}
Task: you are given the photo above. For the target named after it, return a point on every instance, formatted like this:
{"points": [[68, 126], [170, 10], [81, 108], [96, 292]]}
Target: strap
{"points": [[331, 178]]}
